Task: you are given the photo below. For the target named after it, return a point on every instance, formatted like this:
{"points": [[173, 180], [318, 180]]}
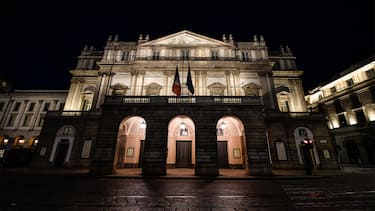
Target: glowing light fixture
{"points": [[5, 141], [36, 141], [143, 124], [182, 125], [223, 125], [21, 141]]}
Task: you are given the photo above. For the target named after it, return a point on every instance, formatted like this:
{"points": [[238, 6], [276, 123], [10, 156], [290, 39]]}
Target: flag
{"points": [[189, 82], [176, 88]]}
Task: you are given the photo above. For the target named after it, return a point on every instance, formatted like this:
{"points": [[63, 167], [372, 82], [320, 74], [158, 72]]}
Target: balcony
{"points": [[197, 100]]}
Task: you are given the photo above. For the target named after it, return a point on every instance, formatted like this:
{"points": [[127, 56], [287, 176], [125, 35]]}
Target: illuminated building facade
{"points": [[247, 110], [349, 103], [22, 115]]}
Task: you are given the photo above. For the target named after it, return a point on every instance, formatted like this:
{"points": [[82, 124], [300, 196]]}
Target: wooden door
{"points": [[183, 154], [222, 154]]}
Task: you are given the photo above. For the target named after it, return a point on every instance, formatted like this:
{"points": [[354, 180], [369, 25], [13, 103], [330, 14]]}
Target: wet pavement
{"points": [[78, 191]]}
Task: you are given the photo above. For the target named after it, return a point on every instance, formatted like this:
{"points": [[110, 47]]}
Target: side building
{"points": [[349, 103], [22, 115], [235, 105]]}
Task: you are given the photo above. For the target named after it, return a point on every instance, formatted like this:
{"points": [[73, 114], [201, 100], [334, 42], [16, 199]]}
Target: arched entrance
{"points": [[181, 143], [300, 133], [62, 146], [231, 144], [130, 142]]}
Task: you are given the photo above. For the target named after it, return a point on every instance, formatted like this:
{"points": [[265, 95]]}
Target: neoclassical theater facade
{"points": [[247, 110]]}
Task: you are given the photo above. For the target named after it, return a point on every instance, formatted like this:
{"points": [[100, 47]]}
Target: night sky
{"points": [[43, 41]]}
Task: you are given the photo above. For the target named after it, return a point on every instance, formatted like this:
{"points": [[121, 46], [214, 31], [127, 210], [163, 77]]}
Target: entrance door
{"points": [[222, 154], [183, 154], [61, 152], [140, 162]]}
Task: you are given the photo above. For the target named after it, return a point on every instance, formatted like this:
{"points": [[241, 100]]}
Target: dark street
{"points": [[81, 192]]}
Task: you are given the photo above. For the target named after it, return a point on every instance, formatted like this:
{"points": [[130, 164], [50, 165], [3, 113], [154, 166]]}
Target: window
{"points": [[333, 90], [2, 104], [125, 56], [342, 120], [355, 101], [361, 119], [46, 107], [338, 106], [245, 56], [372, 91], [11, 120], [17, 106], [370, 73], [349, 82], [284, 106], [185, 54], [302, 132], [67, 131], [41, 121], [215, 55], [155, 55], [26, 120], [31, 107]]}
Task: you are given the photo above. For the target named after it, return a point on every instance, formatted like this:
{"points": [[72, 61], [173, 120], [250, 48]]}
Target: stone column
{"points": [[197, 83], [268, 93], [133, 82], [298, 99], [204, 82], [165, 83], [101, 88], [139, 83], [236, 75], [227, 79]]}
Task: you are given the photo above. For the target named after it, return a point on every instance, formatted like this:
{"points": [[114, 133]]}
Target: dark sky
{"points": [[42, 41]]}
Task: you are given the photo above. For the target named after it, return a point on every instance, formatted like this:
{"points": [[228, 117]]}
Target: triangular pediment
{"points": [[186, 39]]}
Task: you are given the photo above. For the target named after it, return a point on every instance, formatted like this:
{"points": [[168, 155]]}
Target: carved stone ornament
{"points": [[153, 89], [216, 89], [251, 89], [119, 89]]}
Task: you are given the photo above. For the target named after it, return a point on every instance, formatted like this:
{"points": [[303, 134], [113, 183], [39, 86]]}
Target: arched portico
{"points": [[130, 142], [181, 142]]}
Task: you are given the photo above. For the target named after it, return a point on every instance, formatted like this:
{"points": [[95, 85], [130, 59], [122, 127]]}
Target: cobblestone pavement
{"points": [[67, 192]]}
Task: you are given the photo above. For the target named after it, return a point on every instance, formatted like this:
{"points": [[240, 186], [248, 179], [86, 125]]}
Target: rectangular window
{"points": [[156, 55], [349, 82], [342, 120], [26, 120], [31, 107], [355, 101], [11, 120], [17, 106], [333, 90], [2, 104], [185, 54], [46, 107], [370, 73], [361, 119], [41, 121], [338, 106], [245, 56], [372, 91], [67, 131], [125, 56], [215, 55]]}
